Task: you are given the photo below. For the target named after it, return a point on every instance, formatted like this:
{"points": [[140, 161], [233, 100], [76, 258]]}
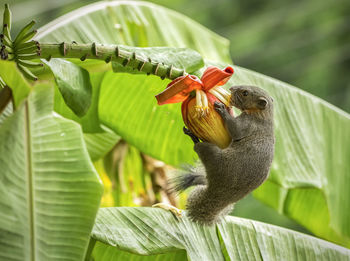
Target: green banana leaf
{"points": [[147, 231], [49, 189], [135, 23]]}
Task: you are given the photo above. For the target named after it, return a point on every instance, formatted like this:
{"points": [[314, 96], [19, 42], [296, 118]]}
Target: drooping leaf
{"points": [[150, 231], [49, 189], [15, 80], [73, 83], [138, 24], [90, 121]]}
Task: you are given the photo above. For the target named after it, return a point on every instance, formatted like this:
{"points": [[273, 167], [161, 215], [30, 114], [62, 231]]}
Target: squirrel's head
{"points": [[251, 99]]}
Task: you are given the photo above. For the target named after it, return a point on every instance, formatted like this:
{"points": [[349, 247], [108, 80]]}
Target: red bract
{"points": [[180, 88], [198, 110], [213, 76]]}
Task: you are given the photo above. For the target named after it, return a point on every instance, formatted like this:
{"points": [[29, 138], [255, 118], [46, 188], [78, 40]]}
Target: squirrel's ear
{"points": [[262, 103], [234, 88]]}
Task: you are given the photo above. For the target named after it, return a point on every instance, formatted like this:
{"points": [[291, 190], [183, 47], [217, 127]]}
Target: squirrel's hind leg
{"points": [[202, 207]]}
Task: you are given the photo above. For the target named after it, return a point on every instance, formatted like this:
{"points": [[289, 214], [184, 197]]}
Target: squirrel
{"points": [[229, 174]]}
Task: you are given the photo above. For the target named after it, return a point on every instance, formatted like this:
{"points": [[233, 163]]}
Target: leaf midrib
{"points": [[29, 181]]}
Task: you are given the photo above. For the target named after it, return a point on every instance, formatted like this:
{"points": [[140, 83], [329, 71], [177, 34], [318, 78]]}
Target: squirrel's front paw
{"points": [[194, 138], [219, 107]]}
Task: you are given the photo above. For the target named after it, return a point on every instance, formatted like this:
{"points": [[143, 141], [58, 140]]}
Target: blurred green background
{"points": [[304, 43]]}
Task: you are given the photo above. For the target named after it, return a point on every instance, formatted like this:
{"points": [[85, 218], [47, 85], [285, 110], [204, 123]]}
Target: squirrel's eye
{"points": [[245, 93]]}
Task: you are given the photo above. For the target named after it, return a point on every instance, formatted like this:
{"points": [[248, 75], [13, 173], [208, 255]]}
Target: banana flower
{"points": [[198, 97]]}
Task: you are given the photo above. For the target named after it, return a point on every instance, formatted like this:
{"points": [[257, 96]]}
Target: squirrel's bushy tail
{"points": [[188, 177]]}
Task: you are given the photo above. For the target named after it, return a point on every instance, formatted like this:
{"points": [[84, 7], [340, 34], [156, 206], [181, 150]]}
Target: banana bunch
{"points": [[22, 48]]}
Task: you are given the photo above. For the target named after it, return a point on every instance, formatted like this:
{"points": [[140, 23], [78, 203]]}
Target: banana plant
{"points": [[88, 79]]}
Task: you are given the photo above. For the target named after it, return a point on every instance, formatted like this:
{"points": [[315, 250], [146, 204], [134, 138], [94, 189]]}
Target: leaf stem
{"points": [[107, 53]]}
